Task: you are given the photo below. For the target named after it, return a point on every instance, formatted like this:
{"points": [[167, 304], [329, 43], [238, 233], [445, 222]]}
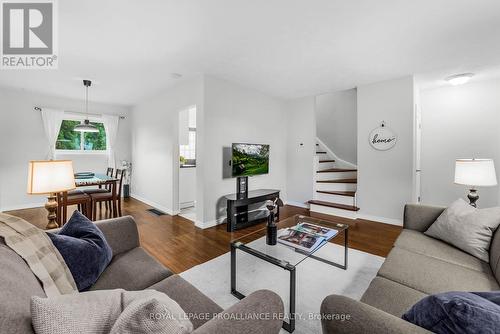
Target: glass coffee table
{"points": [[283, 256]]}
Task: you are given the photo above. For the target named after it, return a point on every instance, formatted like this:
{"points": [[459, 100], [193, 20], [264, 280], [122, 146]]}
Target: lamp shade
{"points": [[50, 176], [86, 127], [475, 172]]}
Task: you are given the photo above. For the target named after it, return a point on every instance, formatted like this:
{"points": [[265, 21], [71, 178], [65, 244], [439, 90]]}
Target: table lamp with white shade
{"points": [[50, 177], [475, 173]]}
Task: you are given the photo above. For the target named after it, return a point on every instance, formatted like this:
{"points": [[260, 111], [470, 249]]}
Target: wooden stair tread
{"points": [[338, 181], [340, 193], [337, 170], [334, 205], [321, 152], [323, 161]]}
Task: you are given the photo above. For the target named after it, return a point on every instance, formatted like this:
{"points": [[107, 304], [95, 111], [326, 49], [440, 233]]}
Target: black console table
{"points": [[238, 215]]}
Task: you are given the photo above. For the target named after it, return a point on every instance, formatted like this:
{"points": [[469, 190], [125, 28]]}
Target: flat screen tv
{"points": [[250, 159]]}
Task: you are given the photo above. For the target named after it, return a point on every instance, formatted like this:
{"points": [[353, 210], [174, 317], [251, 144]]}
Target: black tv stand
{"points": [[238, 214]]}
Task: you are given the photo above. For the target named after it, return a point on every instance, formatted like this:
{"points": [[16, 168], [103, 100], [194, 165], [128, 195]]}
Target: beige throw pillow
{"points": [[467, 228], [155, 314], [109, 311]]}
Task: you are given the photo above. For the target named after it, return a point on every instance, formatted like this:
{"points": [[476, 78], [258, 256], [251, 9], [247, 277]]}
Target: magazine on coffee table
{"points": [[306, 236]]}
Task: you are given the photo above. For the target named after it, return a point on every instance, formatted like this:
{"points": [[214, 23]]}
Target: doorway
{"points": [[187, 163]]}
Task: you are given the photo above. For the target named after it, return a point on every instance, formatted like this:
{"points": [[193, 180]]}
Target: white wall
{"points": [[187, 186], [155, 144], [459, 122], [301, 129], [336, 123], [385, 178], [226, 113], [23, 139], [238, 114]]}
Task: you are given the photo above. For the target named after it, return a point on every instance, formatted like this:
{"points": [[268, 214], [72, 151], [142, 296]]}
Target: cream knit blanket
{"points": [[43, 258]]}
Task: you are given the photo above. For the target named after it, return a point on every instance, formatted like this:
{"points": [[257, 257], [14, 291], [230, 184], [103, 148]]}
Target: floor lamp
{"points": [[475, 173], [50, 177]]}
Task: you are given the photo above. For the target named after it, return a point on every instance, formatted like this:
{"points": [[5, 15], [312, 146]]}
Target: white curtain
{"points": [[111, 128], [52, 120]]}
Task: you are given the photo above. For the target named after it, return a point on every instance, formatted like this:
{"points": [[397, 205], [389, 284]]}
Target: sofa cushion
{"points": [[197, 306], [132, 270], [84, 249], [391, 297], [418, 242], [121, 233], [17, 285], [419, 217], [430, 275], [495, 254], [467, 228], [457, 312]]}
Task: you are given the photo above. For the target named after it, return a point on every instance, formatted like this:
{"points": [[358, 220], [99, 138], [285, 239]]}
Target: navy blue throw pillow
{"points": [[84, 248], [457, 312]]}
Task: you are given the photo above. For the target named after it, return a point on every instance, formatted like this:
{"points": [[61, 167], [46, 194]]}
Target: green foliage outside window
{"points": [[68, 139], [95, 141], [73, 140]]}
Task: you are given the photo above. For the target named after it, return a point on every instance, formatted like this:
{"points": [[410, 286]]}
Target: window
{"points": [[69, 140], [188, 152]]}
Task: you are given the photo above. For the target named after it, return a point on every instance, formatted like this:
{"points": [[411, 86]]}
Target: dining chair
{"points": [[59, 200], [109, 172], [75, 197], [100, 189], [120, 174], [113, 196]]}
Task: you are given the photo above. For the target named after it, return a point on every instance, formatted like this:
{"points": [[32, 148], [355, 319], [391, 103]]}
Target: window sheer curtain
{"points": [[111, 127], [52, 120]]}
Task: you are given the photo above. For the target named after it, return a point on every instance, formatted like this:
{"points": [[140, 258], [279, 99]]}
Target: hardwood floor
{"points": [[179, 245]]}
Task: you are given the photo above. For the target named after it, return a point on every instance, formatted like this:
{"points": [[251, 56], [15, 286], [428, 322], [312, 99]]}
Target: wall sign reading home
{"points": [[382, 138]]}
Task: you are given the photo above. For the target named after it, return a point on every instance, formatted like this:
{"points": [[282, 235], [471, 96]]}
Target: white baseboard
{"points": [[298, 204], [390, 221], [23, 206], [199, 224], [212, 223], [154, 204]]}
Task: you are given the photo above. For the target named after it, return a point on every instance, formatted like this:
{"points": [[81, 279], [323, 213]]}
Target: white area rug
{"points": [[315, 280]]}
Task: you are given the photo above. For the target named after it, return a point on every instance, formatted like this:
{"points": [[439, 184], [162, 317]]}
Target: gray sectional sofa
{"points": [[417, 266], [133, 269]]}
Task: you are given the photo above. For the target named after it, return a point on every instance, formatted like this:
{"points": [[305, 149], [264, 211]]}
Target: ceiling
{"points": [[281, 47]]}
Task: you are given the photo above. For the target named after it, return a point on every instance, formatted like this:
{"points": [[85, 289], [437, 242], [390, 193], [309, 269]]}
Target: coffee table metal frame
{"points": [[288, 326]]}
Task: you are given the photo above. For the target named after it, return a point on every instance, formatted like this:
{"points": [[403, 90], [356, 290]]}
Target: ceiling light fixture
{"points": [[86, 126], [459, 79]]}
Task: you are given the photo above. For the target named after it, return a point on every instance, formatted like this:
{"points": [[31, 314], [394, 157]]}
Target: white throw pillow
{"points": [[467, 228], [109, 311]]}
